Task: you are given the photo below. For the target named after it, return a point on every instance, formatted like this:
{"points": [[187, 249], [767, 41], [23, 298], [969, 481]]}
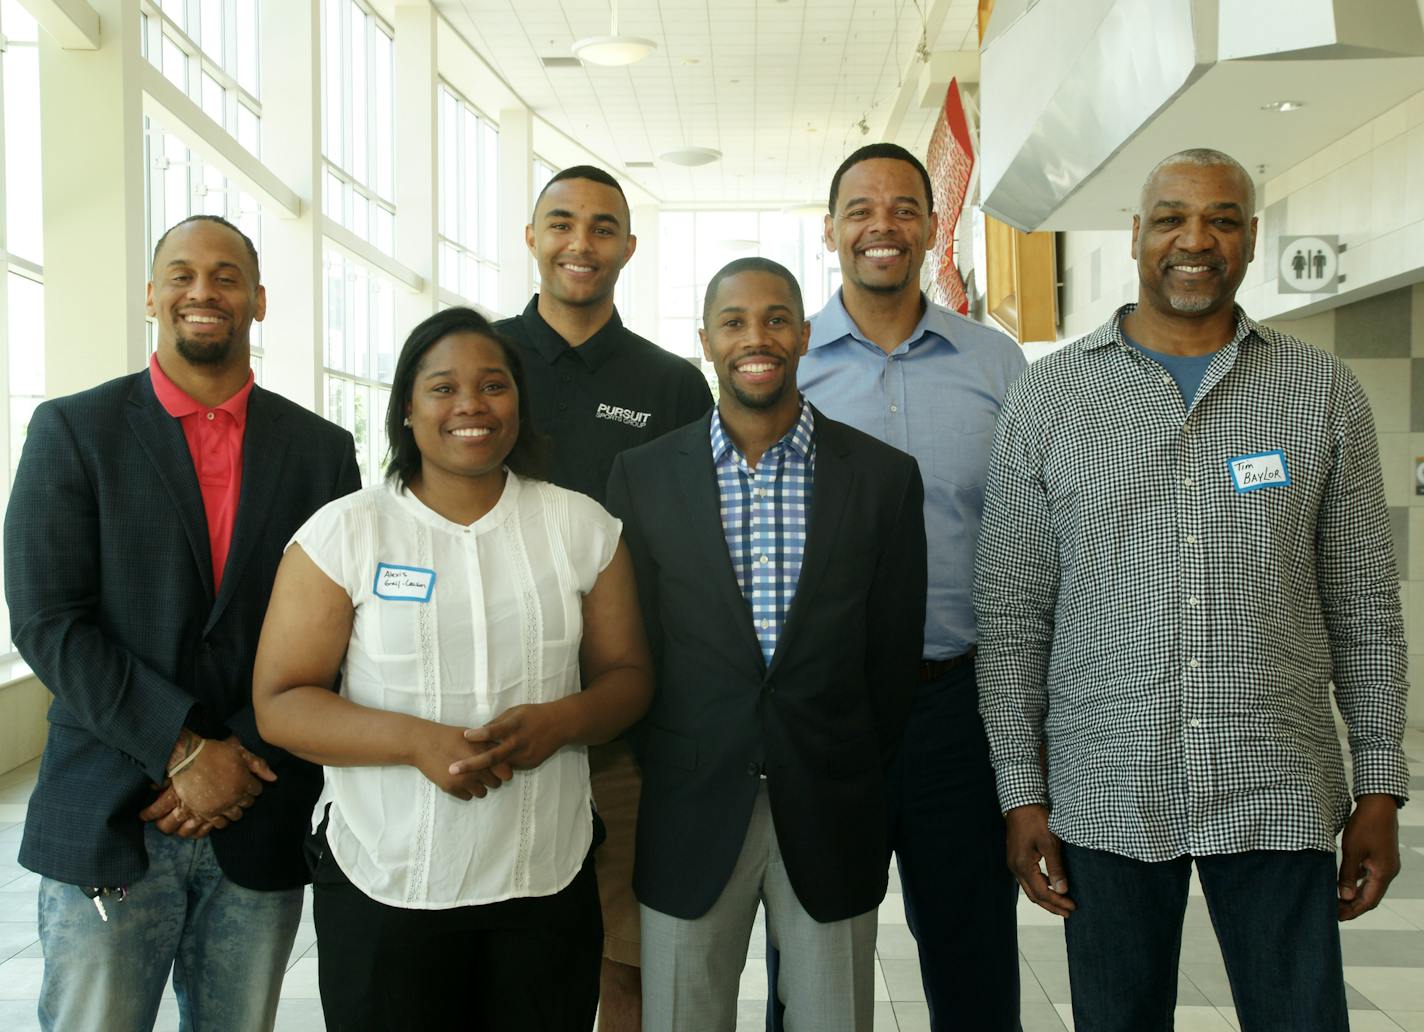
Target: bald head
{"points": [[1200, 157]]}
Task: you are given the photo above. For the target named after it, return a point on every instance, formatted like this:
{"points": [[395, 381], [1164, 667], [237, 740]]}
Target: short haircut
{"points": [[892, 151], [590, 172], [530, 450], [246, 242], [754, 264], [1202, 157]]}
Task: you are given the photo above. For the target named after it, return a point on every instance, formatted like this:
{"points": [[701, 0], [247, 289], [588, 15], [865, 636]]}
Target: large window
{"points": [[694, 245], [21, 247], [360, 355], [469, 201], [208, 49], [358, 123]]}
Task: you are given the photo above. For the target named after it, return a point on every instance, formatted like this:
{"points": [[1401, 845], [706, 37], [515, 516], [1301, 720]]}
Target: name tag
{"points": [[1264, 469], [403, 583]]}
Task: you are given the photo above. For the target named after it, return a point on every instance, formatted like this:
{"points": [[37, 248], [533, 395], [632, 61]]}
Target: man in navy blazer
{"points": [[781, 571], [143, 533]]}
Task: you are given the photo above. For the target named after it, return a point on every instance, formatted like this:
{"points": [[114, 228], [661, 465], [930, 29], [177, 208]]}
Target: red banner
{"points": [[950, 163]]}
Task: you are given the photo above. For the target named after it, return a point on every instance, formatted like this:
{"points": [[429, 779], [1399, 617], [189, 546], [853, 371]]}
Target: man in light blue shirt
{"points": [[929, 382]]}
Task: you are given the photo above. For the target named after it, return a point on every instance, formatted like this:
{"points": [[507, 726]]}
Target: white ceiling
{"points": [[778, 86]]}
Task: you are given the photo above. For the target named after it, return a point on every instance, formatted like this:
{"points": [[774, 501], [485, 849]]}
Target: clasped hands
{"points": [[210, 791], [470, 762]]}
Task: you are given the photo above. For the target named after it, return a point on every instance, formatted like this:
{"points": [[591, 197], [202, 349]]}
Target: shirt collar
{"points": [[178, 403], [834, 323], [1111, 331], [551, 347], [799, 439]]}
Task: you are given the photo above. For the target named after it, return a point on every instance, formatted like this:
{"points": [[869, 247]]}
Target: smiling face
{"points": [[580, 239], [754, 338], [205, 296], [463, 408], [881, 226], [1193, 239]]}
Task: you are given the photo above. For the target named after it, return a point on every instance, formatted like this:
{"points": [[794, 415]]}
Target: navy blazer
{"points": [[823, 719], [108, 575]]}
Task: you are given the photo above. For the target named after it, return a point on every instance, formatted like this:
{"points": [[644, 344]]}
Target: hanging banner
{"points": [[950, 162]]}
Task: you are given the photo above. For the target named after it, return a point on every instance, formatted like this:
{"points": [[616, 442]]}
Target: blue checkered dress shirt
{"points": [[764, 519]]}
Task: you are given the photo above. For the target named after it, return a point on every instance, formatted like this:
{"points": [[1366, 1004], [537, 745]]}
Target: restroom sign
{"points": [[1309, 265]]}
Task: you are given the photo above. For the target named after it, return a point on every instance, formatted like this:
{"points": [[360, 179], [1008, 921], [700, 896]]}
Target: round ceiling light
{"points": [[691, 157], [1283, 105], [613, 51]]}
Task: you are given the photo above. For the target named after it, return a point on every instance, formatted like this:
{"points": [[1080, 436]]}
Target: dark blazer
{"points": [[823, 719], [108, 575]]}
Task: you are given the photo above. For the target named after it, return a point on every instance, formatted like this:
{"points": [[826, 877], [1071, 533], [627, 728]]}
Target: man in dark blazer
{"points": [[781, 569], [143, 533]]}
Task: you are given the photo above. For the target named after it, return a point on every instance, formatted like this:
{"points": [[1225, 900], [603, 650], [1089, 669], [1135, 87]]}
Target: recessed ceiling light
{"points": [[691, 60], [691, 157], [1283, 105], [613, 50]]}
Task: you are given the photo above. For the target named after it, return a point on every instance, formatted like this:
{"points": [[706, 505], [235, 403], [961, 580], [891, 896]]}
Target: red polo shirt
{"points": [[214, 438]]}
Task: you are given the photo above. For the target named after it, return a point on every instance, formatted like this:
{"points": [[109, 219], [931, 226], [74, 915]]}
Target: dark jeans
{"points": [[530, 964], [1274, 915], [948, 837]]}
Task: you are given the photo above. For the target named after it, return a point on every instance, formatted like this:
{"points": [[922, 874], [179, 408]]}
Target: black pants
{"points": [[527, 964]]}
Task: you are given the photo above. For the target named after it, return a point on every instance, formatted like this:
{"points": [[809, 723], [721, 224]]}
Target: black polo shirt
{"points": [[615, 391]]}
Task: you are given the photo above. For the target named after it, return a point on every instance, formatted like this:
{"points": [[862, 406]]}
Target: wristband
{"points": [[183, 764]]}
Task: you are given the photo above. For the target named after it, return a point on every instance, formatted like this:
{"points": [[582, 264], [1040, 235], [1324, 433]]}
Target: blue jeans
{"points": [[226, 945], [949, 839], [1274, 915]]}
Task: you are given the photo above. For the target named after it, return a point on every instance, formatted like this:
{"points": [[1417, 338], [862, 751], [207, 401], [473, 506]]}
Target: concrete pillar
{"points": [[516, 207], [92, 153], [293, 333]]}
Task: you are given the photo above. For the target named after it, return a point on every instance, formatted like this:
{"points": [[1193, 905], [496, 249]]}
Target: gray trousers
{"points": [[692, 969]]}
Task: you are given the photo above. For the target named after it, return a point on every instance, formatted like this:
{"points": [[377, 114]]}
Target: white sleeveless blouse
{"points": [[500, 627]]}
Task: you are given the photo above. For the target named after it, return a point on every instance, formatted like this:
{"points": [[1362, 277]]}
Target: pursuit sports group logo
{"points": [[623, 415]]}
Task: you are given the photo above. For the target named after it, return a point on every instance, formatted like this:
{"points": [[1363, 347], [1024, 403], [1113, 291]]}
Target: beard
{"points": [[211, 352], [760, 401], [1191, 304]]}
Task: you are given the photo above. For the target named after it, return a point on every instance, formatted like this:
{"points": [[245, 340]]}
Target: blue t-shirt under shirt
{"points": [[1187, 370]]}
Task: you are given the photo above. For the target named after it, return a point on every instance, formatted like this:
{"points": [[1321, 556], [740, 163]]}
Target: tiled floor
{"points": [[1384, 951]]}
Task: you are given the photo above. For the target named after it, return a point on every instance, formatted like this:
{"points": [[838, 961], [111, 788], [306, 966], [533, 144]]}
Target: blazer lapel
{"points": [[704, 505], [264, 449], [830, 487], [162, 439]]}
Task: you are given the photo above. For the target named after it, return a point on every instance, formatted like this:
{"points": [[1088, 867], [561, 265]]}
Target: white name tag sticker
{"points": [[403, 583], [1264, 469]]}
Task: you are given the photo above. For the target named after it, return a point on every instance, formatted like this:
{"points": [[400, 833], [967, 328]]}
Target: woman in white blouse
{"points": [[463, 604]]}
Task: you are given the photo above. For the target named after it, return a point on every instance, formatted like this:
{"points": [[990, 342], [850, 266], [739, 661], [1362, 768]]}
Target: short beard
{"points": [[887, 288], [1191, 304], [213, 353], [760, 402]]}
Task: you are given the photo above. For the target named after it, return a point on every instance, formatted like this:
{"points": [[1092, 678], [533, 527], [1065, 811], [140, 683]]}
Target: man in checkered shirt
{"points": [[1185, 540]]}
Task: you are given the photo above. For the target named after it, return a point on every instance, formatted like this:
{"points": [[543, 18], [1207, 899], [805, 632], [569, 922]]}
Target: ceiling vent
{"points": [[638, 164], [562, 62]]}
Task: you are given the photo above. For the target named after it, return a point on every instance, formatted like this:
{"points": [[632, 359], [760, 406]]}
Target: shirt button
{"points": [[894, 408], [754, 769], [1186, 481], [763, 559], [1194, 723], [1193, 664], [1193, 601], [1191, 539], [765, 624], [212, 415], [563, 406], [1166, 377]]}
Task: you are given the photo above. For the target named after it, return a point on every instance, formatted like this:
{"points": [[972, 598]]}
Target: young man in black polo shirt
{"points": [[597, 388]]}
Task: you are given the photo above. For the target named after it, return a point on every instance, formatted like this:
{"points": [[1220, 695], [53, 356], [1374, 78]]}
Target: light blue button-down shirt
{"points": [[936, 396]]}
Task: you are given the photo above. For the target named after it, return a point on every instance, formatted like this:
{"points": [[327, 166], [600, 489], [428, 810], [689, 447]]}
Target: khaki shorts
{"points": [[617, 784]]}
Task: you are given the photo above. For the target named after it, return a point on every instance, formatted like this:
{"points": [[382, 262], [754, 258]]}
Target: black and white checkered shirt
{"points": [[1170, 636]]}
